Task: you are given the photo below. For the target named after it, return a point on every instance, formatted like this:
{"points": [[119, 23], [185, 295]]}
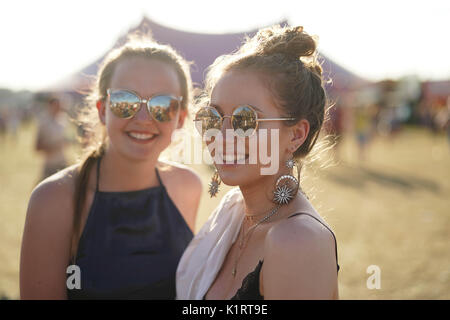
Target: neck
{"points": [[258, 195], [119, 173]]}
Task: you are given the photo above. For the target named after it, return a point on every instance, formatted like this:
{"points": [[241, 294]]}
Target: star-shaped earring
{"points": [[214, 185], [283, 195], [290, 163]]}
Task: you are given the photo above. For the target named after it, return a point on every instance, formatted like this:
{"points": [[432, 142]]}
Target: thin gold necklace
{"points": [[248, 235]]}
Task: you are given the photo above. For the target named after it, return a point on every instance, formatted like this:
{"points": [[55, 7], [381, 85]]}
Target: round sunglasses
{"points": [[126, 104], [244, 120]]}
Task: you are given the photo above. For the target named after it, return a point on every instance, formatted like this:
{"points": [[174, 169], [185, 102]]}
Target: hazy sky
{"points": [[45, 41]]}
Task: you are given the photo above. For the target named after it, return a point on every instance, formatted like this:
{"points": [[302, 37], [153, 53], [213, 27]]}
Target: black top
{"points": [[131, 245], [250, 285]]}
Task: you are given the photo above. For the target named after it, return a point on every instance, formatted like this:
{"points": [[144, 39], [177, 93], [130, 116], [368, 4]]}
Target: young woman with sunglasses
{"points": [[121, 218], [265, 240]]}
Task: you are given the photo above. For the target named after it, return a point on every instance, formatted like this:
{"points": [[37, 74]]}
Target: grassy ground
{"points": [[392, 211]]}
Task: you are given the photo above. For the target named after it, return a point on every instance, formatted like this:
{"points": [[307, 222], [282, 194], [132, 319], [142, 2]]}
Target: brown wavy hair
{"points": [[288, 59], [94, 138]]}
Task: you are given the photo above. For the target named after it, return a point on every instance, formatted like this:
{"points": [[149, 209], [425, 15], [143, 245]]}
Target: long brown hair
{"points": [[94, 138]]}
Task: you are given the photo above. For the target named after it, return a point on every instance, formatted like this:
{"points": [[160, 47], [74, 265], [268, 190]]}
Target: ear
{"points": [[299, 133], [181, 117], [101, 110]]}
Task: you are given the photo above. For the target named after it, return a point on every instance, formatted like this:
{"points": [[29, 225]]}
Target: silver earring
{"points": [[214, 184], [287, 185]]}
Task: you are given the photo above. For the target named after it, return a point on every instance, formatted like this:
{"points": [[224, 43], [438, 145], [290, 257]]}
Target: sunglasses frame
{"points": [[141, 101], [257, 120]]}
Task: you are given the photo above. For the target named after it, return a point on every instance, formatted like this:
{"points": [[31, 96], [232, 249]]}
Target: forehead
{"points": [[146, 77], [243, 87]]}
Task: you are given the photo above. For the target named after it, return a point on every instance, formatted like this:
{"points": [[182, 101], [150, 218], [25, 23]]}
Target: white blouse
{"points": [[204, 256]]}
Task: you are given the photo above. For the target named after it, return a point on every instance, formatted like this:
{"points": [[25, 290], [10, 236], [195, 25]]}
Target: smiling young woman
{"points": [[121, 216], [265, 240]]}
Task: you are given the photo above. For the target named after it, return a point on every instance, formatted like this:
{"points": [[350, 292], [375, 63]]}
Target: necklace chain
{"points": [[248, 235]]}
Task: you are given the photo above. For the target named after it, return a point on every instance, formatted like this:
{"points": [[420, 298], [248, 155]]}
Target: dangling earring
{"points": [[214, 184], [285, 191]]}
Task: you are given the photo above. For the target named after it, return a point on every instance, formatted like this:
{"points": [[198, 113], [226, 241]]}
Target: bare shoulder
{"points": [[46, 237], [179, 175], [184, 187], [299, 260], [51, 201], [301, 231], [55, 191]]}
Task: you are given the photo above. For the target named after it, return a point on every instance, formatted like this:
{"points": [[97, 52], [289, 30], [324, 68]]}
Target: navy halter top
{"points": [[131, 245]]}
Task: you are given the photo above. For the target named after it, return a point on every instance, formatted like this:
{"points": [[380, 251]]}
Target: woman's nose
{"points": [[226, 125], [143, 114], [228, 136]]}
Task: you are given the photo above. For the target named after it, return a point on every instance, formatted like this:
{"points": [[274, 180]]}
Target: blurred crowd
{"points": [[380, 109], [383, 109]]}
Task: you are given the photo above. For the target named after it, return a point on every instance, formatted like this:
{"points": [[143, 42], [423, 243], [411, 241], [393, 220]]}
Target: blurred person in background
{"points": [[441, 118], [51, 138], [121, 217], [3, 128], [447, 123], [335, 127], [364, 129], [14, 122]]}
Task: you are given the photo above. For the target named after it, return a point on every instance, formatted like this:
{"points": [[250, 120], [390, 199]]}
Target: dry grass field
{"points": [[392, 211]]}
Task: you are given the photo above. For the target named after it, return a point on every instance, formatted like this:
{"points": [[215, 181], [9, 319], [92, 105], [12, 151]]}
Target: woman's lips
{"points": [[141, 137], [232, 159]]}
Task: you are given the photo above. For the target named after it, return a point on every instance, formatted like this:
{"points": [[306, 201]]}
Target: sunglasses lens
{"points": [[124, 104], [207, 118], [244, 121], [163, 108]]}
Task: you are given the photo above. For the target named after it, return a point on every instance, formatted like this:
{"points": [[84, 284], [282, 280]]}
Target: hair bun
{"points": [[292, 42]]}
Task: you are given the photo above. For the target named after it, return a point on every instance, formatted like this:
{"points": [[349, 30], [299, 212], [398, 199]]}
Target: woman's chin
{"points": [[235, 176], [138, 154], [141, 151]]}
